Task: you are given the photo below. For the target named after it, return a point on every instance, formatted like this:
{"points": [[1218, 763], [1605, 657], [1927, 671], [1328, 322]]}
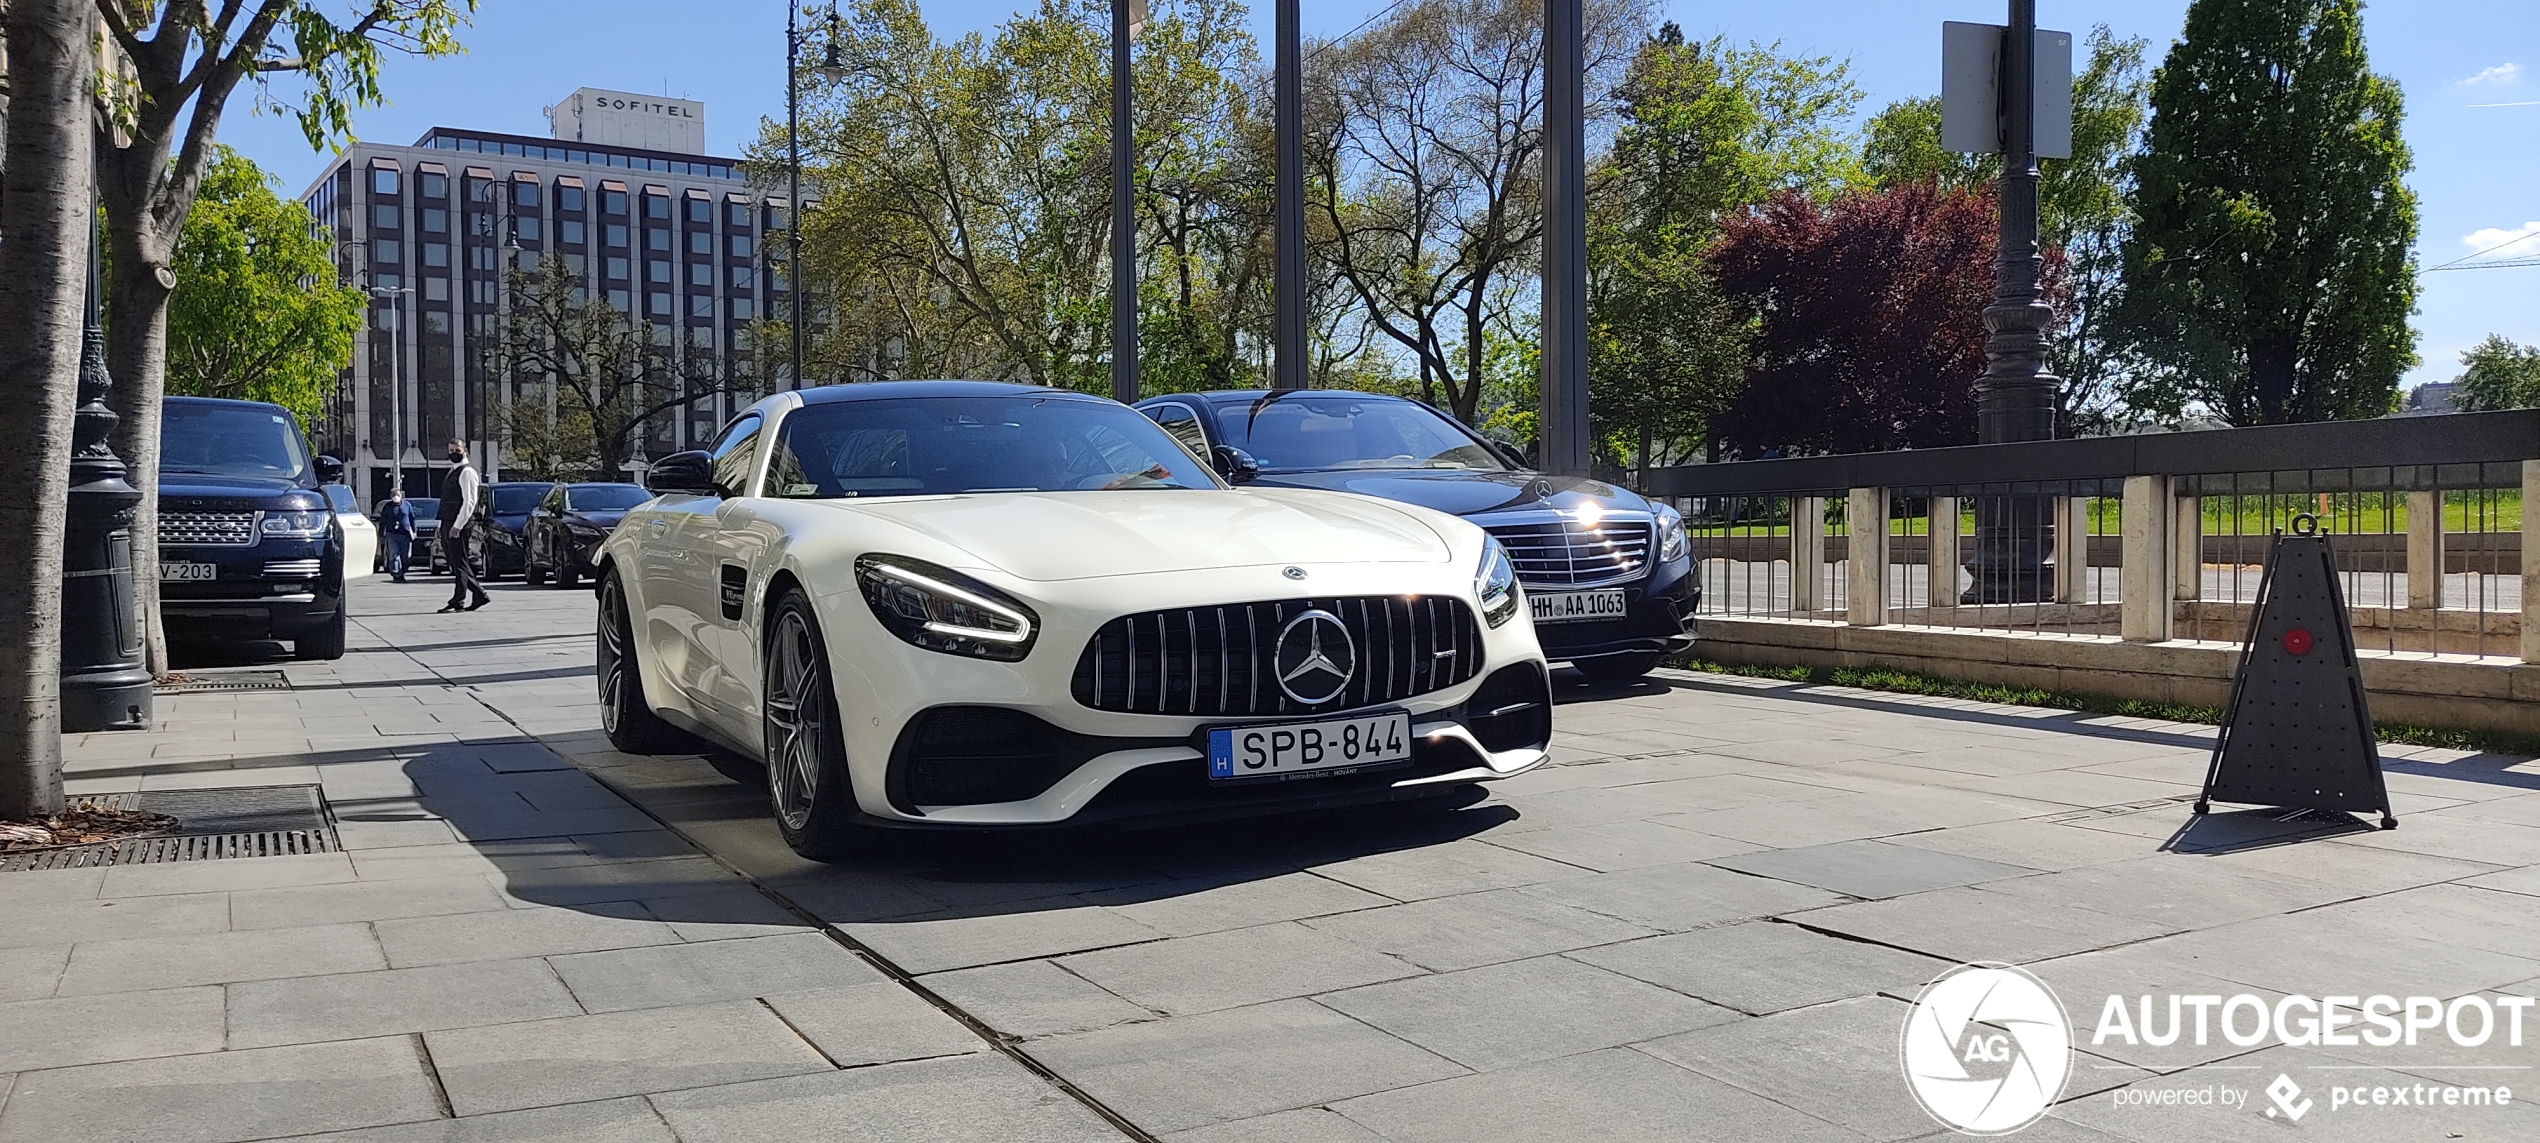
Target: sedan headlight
{"points": [[297, 524], [1671, 534], [943, 610], [1496, 583]]}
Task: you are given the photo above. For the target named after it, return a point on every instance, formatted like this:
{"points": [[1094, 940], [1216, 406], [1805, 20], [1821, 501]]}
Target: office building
{"points": [[672, 236]]}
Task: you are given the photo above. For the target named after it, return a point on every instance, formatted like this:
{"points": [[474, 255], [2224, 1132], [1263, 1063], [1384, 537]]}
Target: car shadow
{"points": [[609, 839]]}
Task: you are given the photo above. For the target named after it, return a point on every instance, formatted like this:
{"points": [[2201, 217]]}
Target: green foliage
{"points": [[258, 314], [2269, 277], [2498, 374], [1902, 145]]}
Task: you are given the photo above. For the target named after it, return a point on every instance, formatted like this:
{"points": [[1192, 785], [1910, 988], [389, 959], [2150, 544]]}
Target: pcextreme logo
{"points": [[1986, 1048]]}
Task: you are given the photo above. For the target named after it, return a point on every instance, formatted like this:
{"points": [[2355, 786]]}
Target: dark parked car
{"points": [[248, 545], [565, 529], [507, 512], [425, 555], [1607, 574]]}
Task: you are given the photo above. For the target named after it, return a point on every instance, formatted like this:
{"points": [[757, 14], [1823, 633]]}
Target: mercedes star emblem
{"points": [[1292, 572], [1315, 658]]}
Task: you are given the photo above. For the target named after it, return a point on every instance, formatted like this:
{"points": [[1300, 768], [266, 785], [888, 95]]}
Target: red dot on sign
{"points": [[2298, 641]]}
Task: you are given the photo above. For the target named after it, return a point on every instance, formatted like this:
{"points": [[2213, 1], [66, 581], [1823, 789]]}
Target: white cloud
{"points": [[2501, 75], [2517, 242]]}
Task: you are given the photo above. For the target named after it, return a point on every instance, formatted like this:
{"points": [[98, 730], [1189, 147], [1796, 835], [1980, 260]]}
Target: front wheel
{"points": [[806, 752], [324, 644], [624, 714], [569, 571], [1615, 668]]}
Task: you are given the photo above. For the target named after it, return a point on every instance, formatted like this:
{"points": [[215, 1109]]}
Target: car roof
{"points": [[1246, 396], [885, 390], [524, 484], [224, 402], [604, 484]]}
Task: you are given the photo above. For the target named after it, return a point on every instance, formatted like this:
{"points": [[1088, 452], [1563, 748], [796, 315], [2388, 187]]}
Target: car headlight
{"points": [[943, 610], [584, 529], [1496, 583], [298, 524], [1671, 534]]}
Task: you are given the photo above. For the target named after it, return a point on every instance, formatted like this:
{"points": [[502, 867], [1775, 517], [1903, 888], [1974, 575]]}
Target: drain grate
{"points": [[228, 681], [254, 821]]}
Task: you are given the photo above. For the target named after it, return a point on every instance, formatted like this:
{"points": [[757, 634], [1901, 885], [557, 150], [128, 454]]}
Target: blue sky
{"points": [[2477, 176]]}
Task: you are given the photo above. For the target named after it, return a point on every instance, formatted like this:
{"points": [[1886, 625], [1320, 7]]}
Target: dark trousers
{"points": [[399, 544], [462, 573]]}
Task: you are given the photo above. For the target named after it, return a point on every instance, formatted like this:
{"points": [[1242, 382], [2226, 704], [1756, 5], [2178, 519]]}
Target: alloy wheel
{"points": [[797, 720]]}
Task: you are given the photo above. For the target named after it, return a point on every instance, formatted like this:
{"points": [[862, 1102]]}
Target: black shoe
{"points": [[448, 608], [480, 602]]}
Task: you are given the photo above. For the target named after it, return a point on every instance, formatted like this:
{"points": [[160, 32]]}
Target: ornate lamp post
{"points": [[2015, 398], [104, 684], [831, 69]]}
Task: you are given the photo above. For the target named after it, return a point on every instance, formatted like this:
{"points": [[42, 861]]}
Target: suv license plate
{"points": [[1566, 606], [1308, 749], [182, 572]]}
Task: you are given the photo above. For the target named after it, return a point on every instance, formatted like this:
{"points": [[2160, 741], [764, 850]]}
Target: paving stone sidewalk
{"points": [[1703, 923]]}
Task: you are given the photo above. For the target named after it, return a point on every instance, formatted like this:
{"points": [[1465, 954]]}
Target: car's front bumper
{"points": [[248, 601], [1659, 616]]}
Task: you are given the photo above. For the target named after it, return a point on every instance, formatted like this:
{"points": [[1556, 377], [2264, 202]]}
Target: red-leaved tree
{"points": [[1869, 314]]}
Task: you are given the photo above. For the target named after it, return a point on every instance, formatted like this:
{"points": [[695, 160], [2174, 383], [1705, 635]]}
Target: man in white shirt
{"points": [[458, 526]]}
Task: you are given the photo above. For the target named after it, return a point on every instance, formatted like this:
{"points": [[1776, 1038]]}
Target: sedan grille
{"points": [[1571, 553], [1216, 661], [207, 529], [293, 569]]}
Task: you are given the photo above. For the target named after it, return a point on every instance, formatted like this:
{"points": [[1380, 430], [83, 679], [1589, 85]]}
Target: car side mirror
{"points": [[330, 470], [682, 472], [1236, 465]]}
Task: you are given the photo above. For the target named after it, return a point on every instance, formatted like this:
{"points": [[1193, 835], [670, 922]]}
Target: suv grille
{"points": [[207, 529], [1568, 553], [1219, 660]]}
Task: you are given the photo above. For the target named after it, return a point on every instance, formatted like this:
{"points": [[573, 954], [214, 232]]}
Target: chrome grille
{"points": [[1216, 661], [292, 569], [207, 529], [1569, 553]]}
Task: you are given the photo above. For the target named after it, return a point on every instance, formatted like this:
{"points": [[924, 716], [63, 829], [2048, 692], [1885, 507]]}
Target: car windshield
{"points": [[933, 446], [517, 499], [426, 508], [231, 440], [1304, 432], [603, 497]]}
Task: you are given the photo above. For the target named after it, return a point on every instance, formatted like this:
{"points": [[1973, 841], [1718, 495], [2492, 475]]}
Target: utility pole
{"points": [[1562, 421], [396, 382], [2015, 398], [1288, 204], [1127, 16]]}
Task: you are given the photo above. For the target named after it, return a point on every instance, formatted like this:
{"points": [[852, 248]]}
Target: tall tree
{"points": [[46, 227], [587, 378], [2498, 374], [2269, 277], [258, 313], [188, 60], [1869, 319]]}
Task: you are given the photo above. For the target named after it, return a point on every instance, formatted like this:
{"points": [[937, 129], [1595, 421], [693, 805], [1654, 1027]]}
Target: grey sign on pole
{"points": [[1970, 90]]}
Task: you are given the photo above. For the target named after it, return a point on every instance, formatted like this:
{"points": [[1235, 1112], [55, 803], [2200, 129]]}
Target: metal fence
{"points": [[2425, 516]]}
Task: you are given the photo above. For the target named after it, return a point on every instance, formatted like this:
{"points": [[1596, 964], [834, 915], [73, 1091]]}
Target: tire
{"points": [[531, 573], [807, 784], [624, 713], [1617, 668], [325, 644], [569, 574]]}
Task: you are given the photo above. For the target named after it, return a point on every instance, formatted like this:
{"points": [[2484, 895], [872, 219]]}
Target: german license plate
{"points": [[1567, 606], [1307, 749], [178, 571]]}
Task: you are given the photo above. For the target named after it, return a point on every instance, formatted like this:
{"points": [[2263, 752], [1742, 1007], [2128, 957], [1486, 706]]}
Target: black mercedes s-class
{"points": [[248, 546], [1607, 573]]}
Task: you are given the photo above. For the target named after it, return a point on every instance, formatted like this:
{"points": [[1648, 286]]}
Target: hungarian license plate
{"points": [[179, 571], [1567, 606], [1307, 749]]}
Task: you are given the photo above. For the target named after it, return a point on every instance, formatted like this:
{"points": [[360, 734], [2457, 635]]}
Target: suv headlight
{"points": [[1495, 584], [1671, 533], [943, 610], [297, 524]]}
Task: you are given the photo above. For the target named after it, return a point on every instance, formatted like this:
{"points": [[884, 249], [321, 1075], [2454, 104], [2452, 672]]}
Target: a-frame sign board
{"points": [[2297, 733]]}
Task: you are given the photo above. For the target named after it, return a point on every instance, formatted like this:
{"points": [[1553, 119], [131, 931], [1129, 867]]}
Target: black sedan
{"points": [[565, 529], [1607, 573], [507, 517]]}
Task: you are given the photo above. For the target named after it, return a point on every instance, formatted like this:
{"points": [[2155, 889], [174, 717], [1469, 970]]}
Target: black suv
{"points": [[1612, 587], [248, 547]]}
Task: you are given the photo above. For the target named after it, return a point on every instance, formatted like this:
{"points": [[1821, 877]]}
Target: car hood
{"points": [[181, 491], [604, 521], [1464, 493], [1083, 535]]}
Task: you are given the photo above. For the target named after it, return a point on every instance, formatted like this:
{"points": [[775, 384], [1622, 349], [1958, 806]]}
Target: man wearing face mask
{"points": [[459, 493]]}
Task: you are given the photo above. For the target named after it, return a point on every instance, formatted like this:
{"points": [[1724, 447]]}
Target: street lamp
{"points": [[396, 383], [832, 70]]}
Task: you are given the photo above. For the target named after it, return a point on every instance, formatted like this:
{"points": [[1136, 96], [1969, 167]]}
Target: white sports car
{"points": [[946, 603]]}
